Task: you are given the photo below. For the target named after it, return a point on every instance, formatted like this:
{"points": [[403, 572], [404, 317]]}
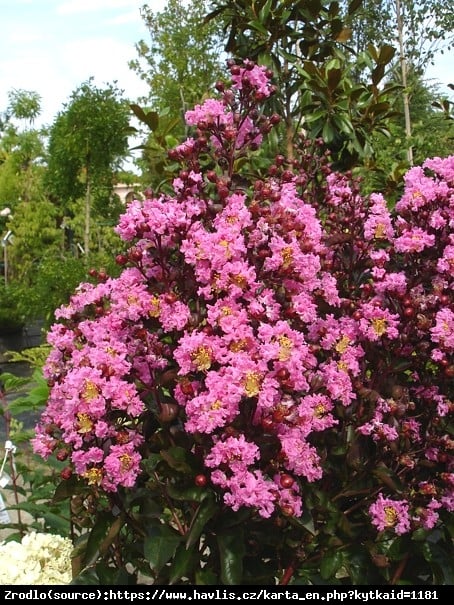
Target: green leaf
{"points": [[334, 77], [265, 10], [151, 118], [386, 54], [160, 546], [183, 562], [258, 27], [330, 564], [206, 577], [96, 537], [176, 458], [389, 478], [442, 563], [231, 552], [205, 511], [353, 6], [327, 132], [191, 494]]}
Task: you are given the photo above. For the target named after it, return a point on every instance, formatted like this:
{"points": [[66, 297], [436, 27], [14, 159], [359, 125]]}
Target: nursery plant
{"points": [[264, 394]]}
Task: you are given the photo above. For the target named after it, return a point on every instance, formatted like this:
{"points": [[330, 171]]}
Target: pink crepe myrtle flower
{"points": [[378, 224], [443, 330], [390, 515], [414, 240], [377, 323]]}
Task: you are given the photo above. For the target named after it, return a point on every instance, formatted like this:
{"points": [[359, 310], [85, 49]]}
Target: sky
{"points": [[53, 46]]}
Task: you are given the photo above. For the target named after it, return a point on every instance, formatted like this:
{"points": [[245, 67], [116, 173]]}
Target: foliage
{"points": [[12, 319], [264, 394], [36, 235], [433, 135], [31, 483], [325, 89], [88, 141], [179, 63], [427, 28]]}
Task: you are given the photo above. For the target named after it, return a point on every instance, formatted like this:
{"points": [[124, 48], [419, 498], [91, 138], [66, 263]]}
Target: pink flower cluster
{"points": [[279, 318]]}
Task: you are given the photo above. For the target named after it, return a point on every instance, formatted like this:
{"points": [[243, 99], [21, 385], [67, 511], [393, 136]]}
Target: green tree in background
{"points": [[22, 148], [180, 63], [88, 143], [420, 31]]}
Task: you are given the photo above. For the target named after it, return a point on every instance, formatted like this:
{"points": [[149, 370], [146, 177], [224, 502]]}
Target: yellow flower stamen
{"points": [[225, 244], [239, 280], [125, 462], [202, 358], [132, 299], [319, 410], [251, 383], [238, 345], [286, 348], [155, 307], [343, 343], [287, 257], [379, 325], [90, 391], [380, 231], [84, 423], [391, 516], [93, 476]]}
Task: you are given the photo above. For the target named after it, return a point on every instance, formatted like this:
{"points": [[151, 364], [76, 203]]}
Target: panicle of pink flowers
{"points": [[282, 317]]}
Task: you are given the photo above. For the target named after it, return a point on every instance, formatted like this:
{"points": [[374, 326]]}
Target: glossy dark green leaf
{"points": [[151, 118], [160, 546], [334, 77], [183, 563], [206, 577], [193, 493], [176, 458], [442, 563], [353, 6], [265, 10], [386, 54], [330, 564], [258, 26], [97, 536], [231, 552], [205, 511]]}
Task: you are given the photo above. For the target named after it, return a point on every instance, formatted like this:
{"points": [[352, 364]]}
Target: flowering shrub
{"points": [[39, 558], [263, 395]]}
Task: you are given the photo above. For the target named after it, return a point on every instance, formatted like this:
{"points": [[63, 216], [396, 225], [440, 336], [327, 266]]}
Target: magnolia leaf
{"points": [[386, 54], [151, 118], [344, 35], [258, 27]]}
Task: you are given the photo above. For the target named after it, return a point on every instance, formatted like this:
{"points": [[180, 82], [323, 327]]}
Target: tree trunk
{"points": [[403, 69], [87, 216]]}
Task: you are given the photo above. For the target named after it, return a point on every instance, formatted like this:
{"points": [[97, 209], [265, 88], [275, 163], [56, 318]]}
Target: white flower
{"points": [[38, 559]]}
